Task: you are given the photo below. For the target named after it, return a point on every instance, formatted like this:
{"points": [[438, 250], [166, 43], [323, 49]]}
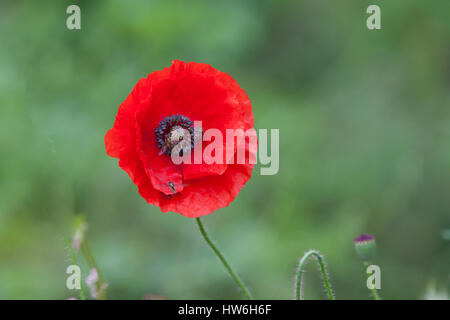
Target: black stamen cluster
{"points": [[166, 125]]}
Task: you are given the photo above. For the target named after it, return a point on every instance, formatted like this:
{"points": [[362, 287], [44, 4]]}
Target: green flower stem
{"points": [[74, 262], [223, 260], [86, 250], [375, 294], [374, 291], [323, 270]]}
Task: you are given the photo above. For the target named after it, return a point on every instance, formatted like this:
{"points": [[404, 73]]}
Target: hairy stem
{"points": [[375, 294], [374, 291], [223, 260], [86, 250], [73, 260], [323, 270]]}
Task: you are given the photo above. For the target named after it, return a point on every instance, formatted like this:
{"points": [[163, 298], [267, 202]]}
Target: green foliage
{"points": [[364, 120]]}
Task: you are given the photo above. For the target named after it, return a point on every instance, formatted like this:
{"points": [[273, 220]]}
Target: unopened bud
{"points": [[365, 246]]}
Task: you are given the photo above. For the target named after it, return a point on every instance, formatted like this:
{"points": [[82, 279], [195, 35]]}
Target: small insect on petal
{"points": [[172, 187]]}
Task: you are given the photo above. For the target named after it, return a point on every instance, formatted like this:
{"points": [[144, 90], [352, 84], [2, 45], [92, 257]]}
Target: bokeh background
{"points": [[364, 119]]}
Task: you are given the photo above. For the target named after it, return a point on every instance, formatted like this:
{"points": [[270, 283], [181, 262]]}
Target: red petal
{"points": [[201, 93]]}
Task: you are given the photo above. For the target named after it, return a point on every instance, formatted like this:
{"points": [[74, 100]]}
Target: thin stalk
{"points": [[86, 250], [223, 260], [323, 270], [74, 262], [374, 291], [375, 294]]}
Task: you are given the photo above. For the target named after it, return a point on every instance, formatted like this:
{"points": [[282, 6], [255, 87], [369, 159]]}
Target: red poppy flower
{"points": [[149, 124]]}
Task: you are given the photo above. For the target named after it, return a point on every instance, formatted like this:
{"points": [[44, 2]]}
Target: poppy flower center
{"points": [[175, 133]]}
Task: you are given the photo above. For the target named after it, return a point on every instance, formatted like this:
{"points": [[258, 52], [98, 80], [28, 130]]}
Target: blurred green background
{"points": [[364, 119]]}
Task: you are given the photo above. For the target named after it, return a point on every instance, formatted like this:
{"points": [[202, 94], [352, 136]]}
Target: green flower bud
{"points": [[365, 247]]}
